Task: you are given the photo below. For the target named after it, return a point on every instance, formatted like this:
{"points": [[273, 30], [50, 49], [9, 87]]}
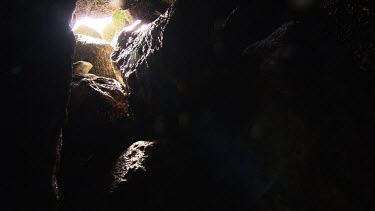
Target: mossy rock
{"points": [[120, 18], [108, 32]]}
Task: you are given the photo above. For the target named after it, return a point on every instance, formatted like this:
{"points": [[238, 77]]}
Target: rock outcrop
{"points": [[86, 89], [145, 10], [206, 173], [131, 162], [98, 128], [81, 67], [97, 52], [98, 8]]}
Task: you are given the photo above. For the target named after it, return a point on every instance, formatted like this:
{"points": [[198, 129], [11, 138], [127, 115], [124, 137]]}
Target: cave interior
{"points": [[188, 105]]}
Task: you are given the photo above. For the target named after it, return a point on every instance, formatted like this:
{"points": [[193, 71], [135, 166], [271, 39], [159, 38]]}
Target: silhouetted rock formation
{"points": [[35, 72], [97, 131]]}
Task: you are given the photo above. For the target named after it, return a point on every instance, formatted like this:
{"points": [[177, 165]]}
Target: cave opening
{"points": [[97, 25]]}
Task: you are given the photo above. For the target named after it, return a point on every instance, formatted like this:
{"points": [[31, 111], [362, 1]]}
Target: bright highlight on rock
{"points": [[98, 24]]}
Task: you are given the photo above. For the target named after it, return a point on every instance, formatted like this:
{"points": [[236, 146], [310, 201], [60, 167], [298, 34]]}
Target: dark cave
{"points": [[188, 105]]}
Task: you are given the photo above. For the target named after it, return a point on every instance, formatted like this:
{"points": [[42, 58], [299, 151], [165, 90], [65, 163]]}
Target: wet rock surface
{"points": [[132, 161]]}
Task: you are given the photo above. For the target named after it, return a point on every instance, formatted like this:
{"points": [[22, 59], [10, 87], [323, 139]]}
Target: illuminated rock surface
{"points": [[87, 31], [132, 161], [97, 8], [81, 67], [97, 52]]}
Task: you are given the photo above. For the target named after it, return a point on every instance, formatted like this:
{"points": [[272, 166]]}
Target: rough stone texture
{"points": [[97, 52], [206, 173], [97, 8], [36, 72], [131, 55], [85, 89], [81, 67], [145, 10], [98, 129], [131, 161], [160, 62]]}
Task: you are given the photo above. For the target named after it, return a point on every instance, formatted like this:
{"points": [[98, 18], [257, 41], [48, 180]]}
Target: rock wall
{"points": [[277, 94], [97, 52], [254, 106], [97, 8], [36, 72], [98, 128]]}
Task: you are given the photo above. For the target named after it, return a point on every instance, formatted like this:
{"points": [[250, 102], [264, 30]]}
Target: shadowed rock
{"points": [[145, 10], [98, 129]]}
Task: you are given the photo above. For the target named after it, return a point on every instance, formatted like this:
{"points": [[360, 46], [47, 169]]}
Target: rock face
{"points": [[81, 67], [98, 9], [296, 123], [131, 161], [145, 10], [97, 130], [34, 111], [132, 56], [85, 89], [150, 175], [97, 52]]}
